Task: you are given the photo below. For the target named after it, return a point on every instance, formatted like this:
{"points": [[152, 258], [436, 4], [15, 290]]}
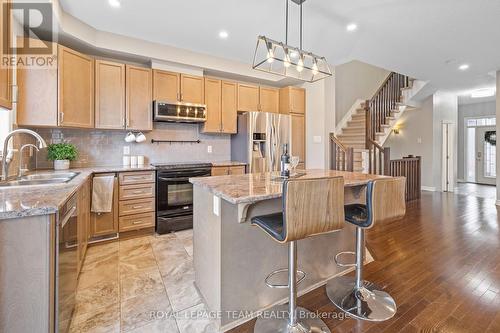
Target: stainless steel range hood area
{"points": [[179, 112]]}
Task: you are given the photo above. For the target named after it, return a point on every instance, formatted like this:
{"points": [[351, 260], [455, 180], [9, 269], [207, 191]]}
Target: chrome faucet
{"points": [[7, 155], [21, 169]]}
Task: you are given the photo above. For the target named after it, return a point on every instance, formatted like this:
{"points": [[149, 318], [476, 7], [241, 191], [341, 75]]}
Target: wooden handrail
{"points": [[378, 158], [409, 167], [341, 157]]}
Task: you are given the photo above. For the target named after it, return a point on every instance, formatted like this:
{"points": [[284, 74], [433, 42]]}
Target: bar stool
{"points": [[310, 207], [385, 201]]}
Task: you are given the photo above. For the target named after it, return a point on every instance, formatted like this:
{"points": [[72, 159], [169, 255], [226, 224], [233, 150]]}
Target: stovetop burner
{"points": [[181, 165]]}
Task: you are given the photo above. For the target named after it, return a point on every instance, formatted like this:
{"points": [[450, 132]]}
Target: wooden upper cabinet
{"points": [[248, 97], [5, 71], [138, 98], [214, 106], [269, 99], [292, 100], [166, 85], [298, 136], [229, 107], [37, 94], [109, 95], [192, 89], [76, 88]]}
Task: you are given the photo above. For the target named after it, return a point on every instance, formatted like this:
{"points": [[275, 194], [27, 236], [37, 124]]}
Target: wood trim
{"points": [[7, 101]]}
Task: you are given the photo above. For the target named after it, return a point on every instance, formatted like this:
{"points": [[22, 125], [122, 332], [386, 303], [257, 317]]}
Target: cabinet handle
{"points": [[137, 222], [61, 117], [181, 97], [137, 192], [136, 207]]}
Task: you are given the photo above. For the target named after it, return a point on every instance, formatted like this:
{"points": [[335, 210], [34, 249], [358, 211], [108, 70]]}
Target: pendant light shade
{"points": [[285, 60]]}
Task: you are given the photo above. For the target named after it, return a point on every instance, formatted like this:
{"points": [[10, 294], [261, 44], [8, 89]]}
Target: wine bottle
{"points": [[285, 162]]}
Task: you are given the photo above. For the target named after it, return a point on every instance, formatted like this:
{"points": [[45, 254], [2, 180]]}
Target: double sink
{"points": [[41, 179]]}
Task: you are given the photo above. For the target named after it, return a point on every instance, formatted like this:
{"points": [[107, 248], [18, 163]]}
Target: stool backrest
{"points": [[312, 206], [385, 199]]}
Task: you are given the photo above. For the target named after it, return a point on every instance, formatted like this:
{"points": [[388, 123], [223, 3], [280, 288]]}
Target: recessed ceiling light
{"points": [[114, 3], [485, 92], [351, 27], [463, 67], [223, 34]]}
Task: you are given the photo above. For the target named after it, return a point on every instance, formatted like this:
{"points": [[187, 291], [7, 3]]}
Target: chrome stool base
{"points": [[366, 303], [277, 319]]}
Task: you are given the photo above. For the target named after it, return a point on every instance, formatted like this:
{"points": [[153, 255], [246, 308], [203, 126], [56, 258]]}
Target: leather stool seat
{"points": [[272, 224]]}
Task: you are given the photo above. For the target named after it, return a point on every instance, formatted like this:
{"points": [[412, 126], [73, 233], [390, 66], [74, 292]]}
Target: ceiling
{"points": [[426, 39]]}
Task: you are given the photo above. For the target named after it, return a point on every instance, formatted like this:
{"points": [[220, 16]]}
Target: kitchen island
{"points": [[232, 258]]}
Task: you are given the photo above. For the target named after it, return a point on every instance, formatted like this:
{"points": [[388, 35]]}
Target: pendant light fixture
{"points": [[285, 60]]}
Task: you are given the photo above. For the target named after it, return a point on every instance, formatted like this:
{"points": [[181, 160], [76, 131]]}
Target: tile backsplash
{"points": [[105, 147]]}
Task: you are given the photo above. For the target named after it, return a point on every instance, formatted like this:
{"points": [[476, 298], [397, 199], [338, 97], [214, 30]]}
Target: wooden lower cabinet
{"points": [[228, 170], [102, 224], [83, 227], [136, 200]]}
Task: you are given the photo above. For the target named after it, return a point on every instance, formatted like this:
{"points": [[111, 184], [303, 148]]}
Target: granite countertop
{"points": [[35, 200], [256, 187], [228, 163]]}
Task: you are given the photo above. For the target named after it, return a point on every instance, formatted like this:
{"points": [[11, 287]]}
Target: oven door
{"points": [[175, 192]]}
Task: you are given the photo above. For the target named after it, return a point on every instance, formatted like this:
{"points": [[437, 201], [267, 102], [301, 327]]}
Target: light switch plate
{"points": [[209, 149], [419, 140], [126, 150], [317, 139], [216, 206]]}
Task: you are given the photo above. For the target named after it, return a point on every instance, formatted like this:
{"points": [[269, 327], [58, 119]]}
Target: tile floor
{"points": [[123, 284]]}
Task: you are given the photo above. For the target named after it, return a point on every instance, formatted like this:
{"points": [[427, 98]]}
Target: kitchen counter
{"points": [[251, 188], [22, 201], [228, 164], [229, 252]]}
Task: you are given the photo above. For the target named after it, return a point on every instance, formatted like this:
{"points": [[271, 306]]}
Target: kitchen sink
{"points": [[41, 179]]}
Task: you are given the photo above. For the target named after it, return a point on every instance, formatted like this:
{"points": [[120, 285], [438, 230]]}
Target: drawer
{"points": [[237, 170], [136, 206], [137, 221], [220, 171], [138, 191], [128, 178]]}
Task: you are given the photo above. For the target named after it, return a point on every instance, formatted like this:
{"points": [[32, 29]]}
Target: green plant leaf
{"points": [[62, 151]]}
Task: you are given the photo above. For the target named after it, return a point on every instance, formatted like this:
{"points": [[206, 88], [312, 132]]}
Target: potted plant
{"points": [[62, 154]]}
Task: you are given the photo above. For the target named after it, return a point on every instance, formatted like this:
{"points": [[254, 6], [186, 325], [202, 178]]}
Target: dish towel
{"points": [[102, 194]]}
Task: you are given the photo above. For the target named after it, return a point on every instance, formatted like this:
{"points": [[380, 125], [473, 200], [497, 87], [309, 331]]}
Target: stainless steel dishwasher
{"points": [[66, 263]]}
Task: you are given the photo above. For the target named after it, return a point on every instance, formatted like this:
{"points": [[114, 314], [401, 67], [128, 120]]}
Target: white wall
{"points": [[356, 80], [481, 109], [320, 121], [421, 135], [416, 138]]}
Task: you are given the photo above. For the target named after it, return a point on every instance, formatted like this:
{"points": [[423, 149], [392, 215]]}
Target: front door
{"points": [[486, 155]]}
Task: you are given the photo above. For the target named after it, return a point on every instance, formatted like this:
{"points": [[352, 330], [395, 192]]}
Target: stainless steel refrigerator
{"points": [[259, 141]]}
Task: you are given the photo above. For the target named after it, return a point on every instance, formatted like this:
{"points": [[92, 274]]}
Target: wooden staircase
{"points": [[359, 147]]}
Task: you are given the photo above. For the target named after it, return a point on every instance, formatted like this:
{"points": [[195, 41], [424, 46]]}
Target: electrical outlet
{"points": [[419, 140], [126, 150], [209, 149], [216, 203]]}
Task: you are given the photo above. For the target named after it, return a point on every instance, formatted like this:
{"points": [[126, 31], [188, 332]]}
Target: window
{"points": [[489, 121]]}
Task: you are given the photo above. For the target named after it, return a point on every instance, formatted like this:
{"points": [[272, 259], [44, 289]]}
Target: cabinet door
{"points": [[229, 112], [292, 100], [220, 171], [269, 99], [106, 223], [83, 221], [192, 89], [248, 97], [138, 99], [297, 100], [166, 85], [109, 95], [214, 105], [5, 71], [76, 88], [298, 136], [37, 94], [237, 170]]}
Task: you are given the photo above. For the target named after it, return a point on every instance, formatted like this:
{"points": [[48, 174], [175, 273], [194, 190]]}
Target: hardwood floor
{"points": [[441, 263]]}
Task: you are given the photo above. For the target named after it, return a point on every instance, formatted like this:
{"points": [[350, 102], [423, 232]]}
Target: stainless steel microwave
{"points": [[179, 112]]}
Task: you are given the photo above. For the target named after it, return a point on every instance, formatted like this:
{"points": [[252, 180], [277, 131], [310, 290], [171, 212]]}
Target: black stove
{"points": [[174, 194]]}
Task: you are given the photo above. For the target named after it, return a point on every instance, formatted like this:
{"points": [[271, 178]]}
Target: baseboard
{"points": [[461, 181], [497, 202], [428, 188]]}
